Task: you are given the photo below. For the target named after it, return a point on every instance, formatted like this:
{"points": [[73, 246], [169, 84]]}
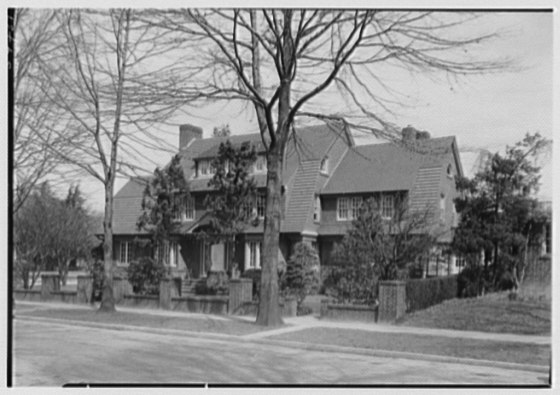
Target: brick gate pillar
{"points": [[50, 282], [240, 292], [85, 289], [392, 300]]}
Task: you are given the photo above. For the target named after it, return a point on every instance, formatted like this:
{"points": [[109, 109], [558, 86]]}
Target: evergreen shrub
{"points": [[144, 275], [423, 293]]}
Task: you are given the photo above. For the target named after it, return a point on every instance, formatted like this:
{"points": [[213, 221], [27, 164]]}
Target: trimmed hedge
{"points": [[423, 293]]}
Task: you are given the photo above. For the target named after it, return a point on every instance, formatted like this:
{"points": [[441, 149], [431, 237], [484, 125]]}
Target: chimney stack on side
{"points": [[188, 133], [411, 134]]}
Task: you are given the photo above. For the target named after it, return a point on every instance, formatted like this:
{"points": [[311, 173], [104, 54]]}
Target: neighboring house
{"points": [[326, 178]]}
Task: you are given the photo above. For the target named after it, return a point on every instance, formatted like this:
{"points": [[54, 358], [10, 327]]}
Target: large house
{"points": [[326, 178]]}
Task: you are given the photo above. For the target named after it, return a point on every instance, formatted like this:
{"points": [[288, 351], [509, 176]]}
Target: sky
{"points": [[488, 111]]}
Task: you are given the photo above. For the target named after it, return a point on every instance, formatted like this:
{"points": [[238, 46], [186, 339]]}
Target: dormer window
{"points": [[204, 168], [260, 164], [324, 168], [449, 171]]}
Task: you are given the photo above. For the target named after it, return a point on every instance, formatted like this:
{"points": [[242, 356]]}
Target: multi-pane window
{"points": [[261, 205], [123, 251], [167, 252], [460, 261], [548, 239], [317, 209], [348, 208], [388, 206], [189, 208], [205, 168], [178, 210], [260, 164], [253, 255]]}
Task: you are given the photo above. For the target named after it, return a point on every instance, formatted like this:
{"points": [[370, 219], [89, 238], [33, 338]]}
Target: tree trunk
{"points": [[108, 299], [269, 308]]}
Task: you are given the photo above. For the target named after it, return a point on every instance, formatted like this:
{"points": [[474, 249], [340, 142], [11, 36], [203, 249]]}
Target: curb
{"points": [[121, 327], [405, 355], [298, 345]]}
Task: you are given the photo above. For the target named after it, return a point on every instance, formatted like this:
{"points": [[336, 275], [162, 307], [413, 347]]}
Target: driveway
{"points": [[48, 354]]}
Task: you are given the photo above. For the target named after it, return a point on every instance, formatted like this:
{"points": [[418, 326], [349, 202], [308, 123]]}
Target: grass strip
{"points": [[206, 324], [424, 344]]}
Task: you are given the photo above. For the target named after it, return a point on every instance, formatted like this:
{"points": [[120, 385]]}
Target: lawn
{"points": [[199, 324], [490, 313], [424, 344]]}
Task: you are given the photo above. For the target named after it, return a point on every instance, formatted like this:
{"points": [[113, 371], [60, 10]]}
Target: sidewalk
{"points": [[294, 325], [309, 321]]}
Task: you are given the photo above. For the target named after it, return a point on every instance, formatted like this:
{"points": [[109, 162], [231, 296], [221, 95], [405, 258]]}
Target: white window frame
{"points": [[205, 169], [252, 255], [317, 209], [342, 205], [387, 206], [173, 254], [260, 164], [442, 208], [355, 205], [261, 205], [347, 208], [190, 209], [178, 213], [324, 167], [460, 261], [124, 247], [167, 252]]}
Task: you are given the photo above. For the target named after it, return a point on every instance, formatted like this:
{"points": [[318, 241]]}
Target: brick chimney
{"points": [[409, 133], [188, 133]]}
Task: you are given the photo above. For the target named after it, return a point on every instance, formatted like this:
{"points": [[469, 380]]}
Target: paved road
{"points": [[47, 354]]}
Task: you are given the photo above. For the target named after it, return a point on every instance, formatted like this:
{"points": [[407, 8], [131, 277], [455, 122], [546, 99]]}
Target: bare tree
{"points": [[288, 63], [105, 83], [36, 35]]}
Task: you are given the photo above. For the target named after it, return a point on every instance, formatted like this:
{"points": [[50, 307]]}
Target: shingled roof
{"points": [[128, 207], [385, 167], [309, 144]]}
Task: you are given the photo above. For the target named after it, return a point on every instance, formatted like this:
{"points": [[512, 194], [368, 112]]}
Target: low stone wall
{"points": [[286, 309], [145, 301], [31, 295], [201, 304], [64, 296], [348, 312]]}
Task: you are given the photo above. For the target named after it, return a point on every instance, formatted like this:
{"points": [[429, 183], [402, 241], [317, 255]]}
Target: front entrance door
{"points": [[218, 257]]}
